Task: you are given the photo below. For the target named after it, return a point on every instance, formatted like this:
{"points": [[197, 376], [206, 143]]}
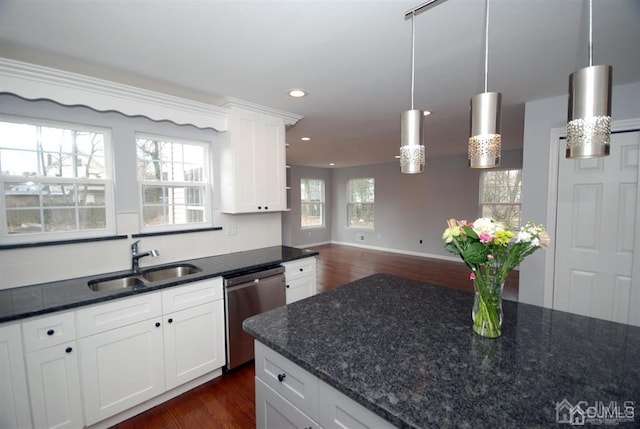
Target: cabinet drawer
{"points": [[298, 289], [181, 297], [115, 314], [48, 331], [338, 410], [273, 411], [289, 380], [300, 268]]}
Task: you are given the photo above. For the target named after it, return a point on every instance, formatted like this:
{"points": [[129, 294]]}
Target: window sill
{"points": [[174, 232], [61, 242]]}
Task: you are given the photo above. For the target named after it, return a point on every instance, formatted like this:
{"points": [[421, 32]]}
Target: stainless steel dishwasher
{"points": [[247, 295]]}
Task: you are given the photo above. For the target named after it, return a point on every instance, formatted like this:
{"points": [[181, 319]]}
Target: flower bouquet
{"points": [[491, 251]]}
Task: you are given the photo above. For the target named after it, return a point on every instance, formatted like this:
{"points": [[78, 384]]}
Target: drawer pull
{"points": [[170, 320], [68, 349], [288, 286], [301, 269], [157, 324], [50, 332], [281, 377]]}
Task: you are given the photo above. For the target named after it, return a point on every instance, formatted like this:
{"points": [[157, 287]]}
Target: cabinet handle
{"points": [[266, 208], [157, 324], [281, 377], [259, 207], [288, 286], [68, 349], [50, 332], [170, 320], [301, 269]]}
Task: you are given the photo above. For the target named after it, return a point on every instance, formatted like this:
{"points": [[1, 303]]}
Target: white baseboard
{"points": [[403, 252], [306, 246]]}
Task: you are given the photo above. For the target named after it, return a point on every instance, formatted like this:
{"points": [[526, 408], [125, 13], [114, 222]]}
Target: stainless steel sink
{"points": [[101, 285], [165, 273]]}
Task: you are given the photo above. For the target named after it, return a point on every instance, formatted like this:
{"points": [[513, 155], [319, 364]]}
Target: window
{"points": [[360, 203], [500, 192], [311, 203], [174, 185], [55, 180]]}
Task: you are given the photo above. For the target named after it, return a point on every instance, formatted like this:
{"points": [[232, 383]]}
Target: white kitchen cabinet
{"points": [[193, 334], [289, 396], [253, 163], [14, 398], [121, 358], [300, 279], [52, 370]]}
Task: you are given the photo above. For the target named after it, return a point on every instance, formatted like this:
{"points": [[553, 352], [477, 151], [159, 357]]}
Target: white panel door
{"points": [[595, 232], [14, 400]]}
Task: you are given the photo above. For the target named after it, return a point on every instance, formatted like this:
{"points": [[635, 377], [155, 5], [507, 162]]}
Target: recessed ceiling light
{"points": [[397, 157], [305, 139], [297, 93], [426, 112], [332, 164]]}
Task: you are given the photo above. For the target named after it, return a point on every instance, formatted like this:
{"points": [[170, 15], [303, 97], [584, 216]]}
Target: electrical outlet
{"points": [[359, 237], [420, 241]]}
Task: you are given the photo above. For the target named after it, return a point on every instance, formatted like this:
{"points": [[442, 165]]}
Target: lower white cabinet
{"points": [[287, 396], [14, 398], [300, 278], [193, 342], [54, 387], [121, 368], [51, 356]]}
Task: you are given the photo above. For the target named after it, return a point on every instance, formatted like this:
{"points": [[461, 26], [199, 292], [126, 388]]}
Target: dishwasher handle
{"points": [[253, 277]]}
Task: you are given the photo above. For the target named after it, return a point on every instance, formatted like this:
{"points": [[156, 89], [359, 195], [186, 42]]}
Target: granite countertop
{"points": [[26, 301], [406, 350]]}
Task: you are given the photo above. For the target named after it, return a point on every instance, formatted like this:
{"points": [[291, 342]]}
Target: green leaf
{"points": [[476, 253], [451, 248], [470, 232]]}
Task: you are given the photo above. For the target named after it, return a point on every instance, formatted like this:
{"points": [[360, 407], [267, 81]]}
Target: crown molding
{"points": [[35, 82], [231, 103]]}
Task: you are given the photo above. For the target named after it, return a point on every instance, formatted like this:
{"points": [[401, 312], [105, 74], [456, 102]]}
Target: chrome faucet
{"points": [[135, 257]]}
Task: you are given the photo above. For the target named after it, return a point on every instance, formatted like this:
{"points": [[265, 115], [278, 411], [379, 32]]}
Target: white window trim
{"points": [[324, 206], [359, 228], [206, 184], [108, 181]]}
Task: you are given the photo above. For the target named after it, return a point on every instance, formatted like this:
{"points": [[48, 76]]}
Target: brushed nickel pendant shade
{"points": [[485, 140], [589, 110], [412, 151]]}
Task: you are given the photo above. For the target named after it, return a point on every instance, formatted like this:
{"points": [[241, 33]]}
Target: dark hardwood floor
{"points": [[228, 401]]}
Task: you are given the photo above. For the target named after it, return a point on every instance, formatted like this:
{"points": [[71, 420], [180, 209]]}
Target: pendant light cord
{"points": [[590, 33], [486, 48], [413, 54]]}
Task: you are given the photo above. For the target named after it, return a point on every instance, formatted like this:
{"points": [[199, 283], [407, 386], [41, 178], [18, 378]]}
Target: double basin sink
{"points": [[144, 278]]}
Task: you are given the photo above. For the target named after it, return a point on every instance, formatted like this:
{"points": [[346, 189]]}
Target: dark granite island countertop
{"points": [[406, 351]]}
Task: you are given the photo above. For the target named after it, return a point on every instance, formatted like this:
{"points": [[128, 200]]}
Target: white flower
{"points": [[523, 236], [535, 242], [486, 225]]}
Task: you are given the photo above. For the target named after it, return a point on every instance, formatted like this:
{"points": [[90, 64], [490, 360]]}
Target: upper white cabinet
{"points": [[253, 159]]}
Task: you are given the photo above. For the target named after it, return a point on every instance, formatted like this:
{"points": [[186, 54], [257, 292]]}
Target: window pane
{"points": [[361, 215], [501, 195], [59, 220], [24, 221], [92, 218], [312, 214], [167, 161], [360, 203], [172, 205], [361, 190], [312, 203]]}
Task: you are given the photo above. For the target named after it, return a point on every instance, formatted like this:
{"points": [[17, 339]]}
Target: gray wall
{"points": [[292, 234], [408, 208], [541, 116]]}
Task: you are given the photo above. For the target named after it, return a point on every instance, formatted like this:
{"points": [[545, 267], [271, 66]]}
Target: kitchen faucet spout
{"points": [[135, 257]]}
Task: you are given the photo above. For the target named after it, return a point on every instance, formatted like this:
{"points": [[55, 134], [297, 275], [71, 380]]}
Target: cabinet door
{"points": [[121, 368], [273, 411], [54, 387], [270, 163], [14, 400], [193, 342]]}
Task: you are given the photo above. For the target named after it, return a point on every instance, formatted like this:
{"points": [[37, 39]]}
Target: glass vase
{"points": [[487, 306]]}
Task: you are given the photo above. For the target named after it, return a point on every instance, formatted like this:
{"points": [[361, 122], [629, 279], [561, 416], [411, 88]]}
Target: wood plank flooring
{"points": [[228, 401]]}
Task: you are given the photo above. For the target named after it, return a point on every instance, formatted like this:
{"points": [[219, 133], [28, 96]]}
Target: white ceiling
{"points": [[353, 58]]}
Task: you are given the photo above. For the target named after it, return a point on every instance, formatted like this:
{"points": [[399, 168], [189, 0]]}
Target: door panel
{"points": [[595, 232]]}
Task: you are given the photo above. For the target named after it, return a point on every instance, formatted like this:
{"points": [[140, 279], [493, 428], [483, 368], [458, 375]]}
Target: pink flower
{"points": [[490, 257], [472, 276], [484, 238]]}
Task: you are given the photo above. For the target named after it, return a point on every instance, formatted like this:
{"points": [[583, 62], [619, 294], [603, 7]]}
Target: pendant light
{"points": [[589, 113], [485, 140], [412, 152]]}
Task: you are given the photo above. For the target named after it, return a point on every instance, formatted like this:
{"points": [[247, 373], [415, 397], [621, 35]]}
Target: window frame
{"points": [[206, 184], [350, 203], [322, 204], [481, 199], [107, 181]]}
